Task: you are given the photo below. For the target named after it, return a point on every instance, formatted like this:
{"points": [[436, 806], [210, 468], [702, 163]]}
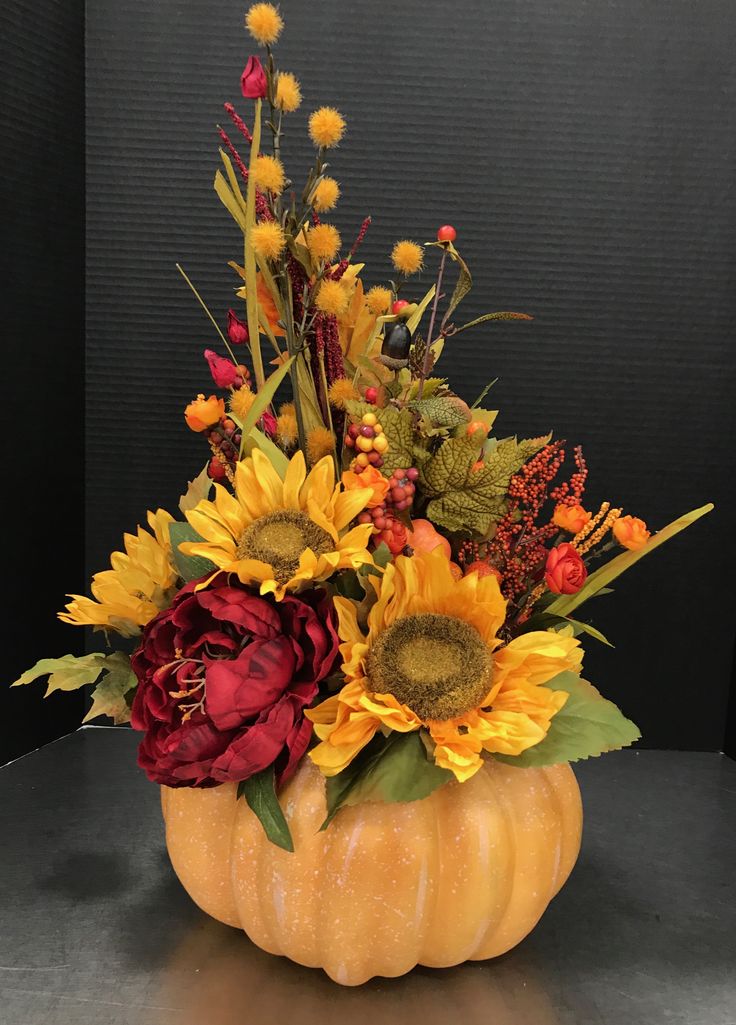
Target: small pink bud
{"points": [[237, 330]]}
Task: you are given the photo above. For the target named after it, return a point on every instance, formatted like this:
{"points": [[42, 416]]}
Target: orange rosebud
{"points": [[203, 413], [369, 478], [631, 532], [571, 518], [424, 538]]}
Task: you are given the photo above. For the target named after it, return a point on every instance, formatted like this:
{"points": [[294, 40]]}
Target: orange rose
{"points": [[424, 538], [203, 413], [369, 478], [631, 532], [570, 517]]}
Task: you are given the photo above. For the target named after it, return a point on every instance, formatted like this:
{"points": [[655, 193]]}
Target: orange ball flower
{"points": [[631, 532], [203, 413], [369, 478], [570, 517]]}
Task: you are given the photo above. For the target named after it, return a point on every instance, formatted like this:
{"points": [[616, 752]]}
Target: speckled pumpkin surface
{"points": [[463, 875]]}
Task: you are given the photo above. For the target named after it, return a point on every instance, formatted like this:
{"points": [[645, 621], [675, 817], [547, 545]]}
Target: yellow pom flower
{"points": [[320, 443], [341, 391], [407, 257], [288, 94], [280, 534], [286, 426], [332, 298], [378, 300], [430, 658], [264, 23], [323, 242], [268, 239], [326, 127], [241, 401], [269, 174], [326, 195]]}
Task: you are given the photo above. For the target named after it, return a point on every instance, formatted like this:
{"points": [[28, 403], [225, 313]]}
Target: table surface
{"points": [[96, 929]]}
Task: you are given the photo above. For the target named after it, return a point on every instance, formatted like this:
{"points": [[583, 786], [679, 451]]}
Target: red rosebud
{"points": [[253, 80], [224, 373], [269, 424], [237, 330], [565, 571]]}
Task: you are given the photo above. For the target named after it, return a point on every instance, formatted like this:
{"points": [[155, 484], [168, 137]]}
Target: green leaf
{"points": [[260, 793], [440, 410], [490, 316], [398, 426], [467, 499], [462, 287], [197, 490], [257, 439], [229, 201], [548, 621], [70, 672], [393, 768], [565, 604], [190, 567], [264, 398], [586, 726], [111, 696], [587, 628]]}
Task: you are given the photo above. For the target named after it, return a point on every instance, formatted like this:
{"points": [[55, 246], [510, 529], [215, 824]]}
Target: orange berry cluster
{"points": [[368, 439]]}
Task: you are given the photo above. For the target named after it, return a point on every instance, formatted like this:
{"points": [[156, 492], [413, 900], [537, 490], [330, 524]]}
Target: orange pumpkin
{"points": [[464, 874]]}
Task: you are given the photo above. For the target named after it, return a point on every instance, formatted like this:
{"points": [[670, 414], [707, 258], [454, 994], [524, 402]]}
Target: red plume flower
{"points": [[253, 80]]}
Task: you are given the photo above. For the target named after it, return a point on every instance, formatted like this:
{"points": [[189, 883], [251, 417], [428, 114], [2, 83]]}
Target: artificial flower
{"points": [[571, 518], [326, 127], [141, 582], [223, 679], [281, 534], [341, 391], [237, 329], [202, 413], [286, 425], [431, 659], [288, 93], [407, 257], [323, 242], [264, 23], [268, 239], [378, 300], [564, 571], [326, 195], [241, 402], [224, 372], [253, 82], [631, 532], [320, 443], [269, 174], [369, 478], [332, 297]]}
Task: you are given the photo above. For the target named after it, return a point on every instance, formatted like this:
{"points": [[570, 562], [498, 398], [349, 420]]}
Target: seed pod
{"points": [[396, 346]]}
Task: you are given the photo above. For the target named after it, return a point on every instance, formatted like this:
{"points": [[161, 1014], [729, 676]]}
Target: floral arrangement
{"points": [[364, 574]]}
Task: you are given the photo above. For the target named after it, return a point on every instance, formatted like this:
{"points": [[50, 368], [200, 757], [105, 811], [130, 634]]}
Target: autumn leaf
{"points": [[111, 695]]}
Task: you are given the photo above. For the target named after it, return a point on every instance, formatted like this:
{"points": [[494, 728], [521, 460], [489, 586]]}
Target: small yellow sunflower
{"points": [[281, 534], [140, 584], [432, 659]]}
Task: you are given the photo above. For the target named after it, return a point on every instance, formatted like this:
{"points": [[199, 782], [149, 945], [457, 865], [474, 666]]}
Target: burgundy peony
{"points": [[565, 571], [253, 81], [224, 677], [224, 372]]}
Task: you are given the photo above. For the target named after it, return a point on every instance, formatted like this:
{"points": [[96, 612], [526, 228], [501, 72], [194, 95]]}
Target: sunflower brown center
{"points": [[436, 665], [281, 538]]}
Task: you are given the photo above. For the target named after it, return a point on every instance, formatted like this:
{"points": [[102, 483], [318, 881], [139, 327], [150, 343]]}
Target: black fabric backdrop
{"points": [[42, 315], [584, 152]]}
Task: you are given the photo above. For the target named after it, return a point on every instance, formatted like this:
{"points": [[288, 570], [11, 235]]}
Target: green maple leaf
{"points": [[69, 672], [111, 696], [586, 726]]}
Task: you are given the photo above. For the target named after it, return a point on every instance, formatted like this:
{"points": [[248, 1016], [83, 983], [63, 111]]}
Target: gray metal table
{"points": [[97, 931]]}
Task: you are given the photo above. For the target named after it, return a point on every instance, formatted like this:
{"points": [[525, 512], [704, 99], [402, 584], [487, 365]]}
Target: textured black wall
{"points": [[42, 274], [585, 153]]}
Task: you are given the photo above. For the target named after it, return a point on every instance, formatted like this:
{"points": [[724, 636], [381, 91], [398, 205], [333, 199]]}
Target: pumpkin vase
{"points": [[464, 874]]}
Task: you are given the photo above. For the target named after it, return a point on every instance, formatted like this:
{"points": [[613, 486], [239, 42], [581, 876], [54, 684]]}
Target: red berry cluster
{"points": [[402, 486], [369, 440], [386, 528], [571, 492], [224, 438]]}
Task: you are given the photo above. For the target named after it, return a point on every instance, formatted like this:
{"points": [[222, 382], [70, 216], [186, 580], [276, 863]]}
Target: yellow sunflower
{"points": [[432, 658], [281, 534], [140, 584]]}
